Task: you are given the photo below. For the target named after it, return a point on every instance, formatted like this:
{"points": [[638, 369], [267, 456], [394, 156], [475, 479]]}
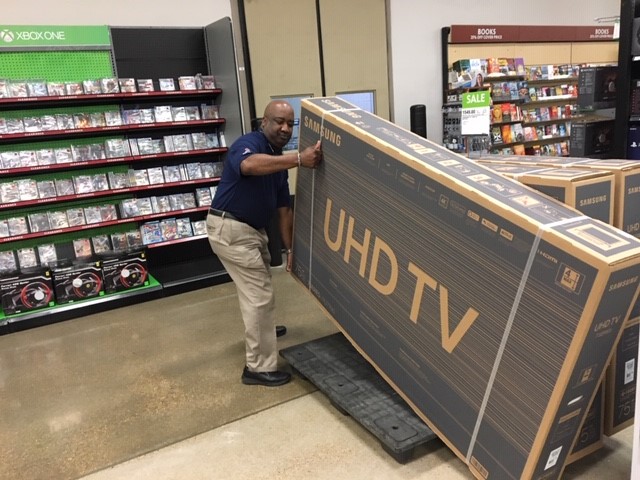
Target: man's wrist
{"points": [[299, 160], [289, 251]]}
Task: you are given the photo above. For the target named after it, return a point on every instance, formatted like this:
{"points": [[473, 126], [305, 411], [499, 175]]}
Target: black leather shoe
{"points": [[268, 379], [280, 330]]}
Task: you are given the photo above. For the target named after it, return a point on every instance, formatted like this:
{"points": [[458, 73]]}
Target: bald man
{"points": [[254, 186]]}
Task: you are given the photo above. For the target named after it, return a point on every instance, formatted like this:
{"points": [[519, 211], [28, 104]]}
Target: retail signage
{"points": [[530, 33], [17, 36], [475, 113]]}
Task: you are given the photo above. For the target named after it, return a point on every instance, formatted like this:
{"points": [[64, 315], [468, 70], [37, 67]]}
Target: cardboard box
{"points": [[29, 290], [489, 307], [589, 191], [77, 282], [621, 381], [127, 270], [591, 436]]}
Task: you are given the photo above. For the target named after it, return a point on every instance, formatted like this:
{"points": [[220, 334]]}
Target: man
{"points": [[254, 186]]}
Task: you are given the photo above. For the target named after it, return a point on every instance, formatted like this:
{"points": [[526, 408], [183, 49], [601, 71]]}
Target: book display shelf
{"points": [[533, 74], [112, 142]]}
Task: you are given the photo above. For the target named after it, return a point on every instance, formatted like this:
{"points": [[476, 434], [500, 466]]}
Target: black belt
{"points": [[223, 214]]}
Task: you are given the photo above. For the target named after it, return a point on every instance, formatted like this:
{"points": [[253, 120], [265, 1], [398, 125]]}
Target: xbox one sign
{"points": [[9, 36], [26, 36]]}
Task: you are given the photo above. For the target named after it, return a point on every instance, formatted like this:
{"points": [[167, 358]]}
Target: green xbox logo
{"points": [[7, 36]]}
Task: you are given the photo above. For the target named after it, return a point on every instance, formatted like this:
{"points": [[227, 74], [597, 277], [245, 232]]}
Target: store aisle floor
{"points": [[72, 396]]}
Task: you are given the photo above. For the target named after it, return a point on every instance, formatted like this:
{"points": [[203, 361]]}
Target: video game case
{"points": [[209, 112], [172, 173], [208, 170], [108, 212], [163, 113], [168, 143], [28, 189], [119, 241], [179, 114], [27, 257], [192, 113], [17, 226], [155, 175], [151, 233], [9, 192], [109, 85], [194, 171], [11, 160], [64, 187], [145, 85], [37, 88], [145, 146], [83, 184], [127, 85], [92, 215], [183, 226], [4, 88], [144, 206], [31, 124], [131, 117], [100, 182], [205, 82], [134, 239], [166, 84], [203, 197], [73, 88], [169, 229], [176, 202], [91, 87], [199, 140], [118, 180], [64, 121], [187, 82], [55, 89], [47, 254], [8, 262], [163, 204], [199, 227], [97, 119], [129, 208], [14, 125], [46, 189], [113, 118], [101, 243], [58, 219], [39, 222], [48, 123], [4, 228], [212, 140], [189, 200], [81, 120], [116, 148], [75, 216], [139, 178], [147, 115], [182, 143], [82, 248], [18, 88]]}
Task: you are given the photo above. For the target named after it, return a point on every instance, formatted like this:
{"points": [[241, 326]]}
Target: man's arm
{"points": [[285, 217], [264, 164]]}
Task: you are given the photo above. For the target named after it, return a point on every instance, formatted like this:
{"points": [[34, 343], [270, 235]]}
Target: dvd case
{"points": [[203, 197], [187, 82], [27, 257], [39, 222], [58, 219], [4, 228], [17, 226], [109, 85], [169, 228], [101, 243], [82, 247], [55, 89], [64, 121], [46, 189], [28, 158], [8, 262], [129, 208], [11, 160], [127, 85], [37, 88], [64, 186], [145, 85], [46, 156], [9, 192], [155, 175], [92, 215], [166, 84], [108, 212], [91, 87], [47, 254], [75, 216], [134, 238], [28, 189], [151, 233], [113, 118], [73, 88], [199, 227], [118, 180], [119, 241], [184, 227]]}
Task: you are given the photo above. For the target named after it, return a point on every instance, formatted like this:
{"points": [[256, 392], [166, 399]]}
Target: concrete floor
{"points": [[204, 423]]}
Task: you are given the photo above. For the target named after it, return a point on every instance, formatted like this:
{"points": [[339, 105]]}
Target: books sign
{"points": [[475, 113]]}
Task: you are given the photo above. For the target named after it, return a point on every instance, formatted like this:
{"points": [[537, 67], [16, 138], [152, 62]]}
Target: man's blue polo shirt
{"points": [[251, 198]]}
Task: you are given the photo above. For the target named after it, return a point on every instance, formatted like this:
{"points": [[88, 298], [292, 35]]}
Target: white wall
{"points": [[415, 31], [416, 46], [140, 13]]}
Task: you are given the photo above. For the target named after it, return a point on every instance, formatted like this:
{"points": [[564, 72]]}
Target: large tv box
{"points": [[491, 308], [25, 291], [597, 87]]}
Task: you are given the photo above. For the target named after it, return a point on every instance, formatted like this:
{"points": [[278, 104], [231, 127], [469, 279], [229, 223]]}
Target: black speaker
{"points": [[418, 118], [635, 37]]}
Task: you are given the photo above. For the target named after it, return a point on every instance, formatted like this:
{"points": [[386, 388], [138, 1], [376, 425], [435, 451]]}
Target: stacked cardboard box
{"points": [[491, 308]]}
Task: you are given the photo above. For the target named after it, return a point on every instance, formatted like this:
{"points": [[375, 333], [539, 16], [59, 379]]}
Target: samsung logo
{"points": [[324, 132], [623, 283], [593, 200]]}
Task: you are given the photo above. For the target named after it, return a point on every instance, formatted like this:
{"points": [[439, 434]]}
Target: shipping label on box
{"points": [[489, 307], [621, 381]]}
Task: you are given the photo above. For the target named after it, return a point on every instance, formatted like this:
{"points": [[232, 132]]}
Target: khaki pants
{"points": [[245, 255]]}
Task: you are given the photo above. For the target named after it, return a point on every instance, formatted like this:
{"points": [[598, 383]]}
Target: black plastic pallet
{"points": [[355, 388]]}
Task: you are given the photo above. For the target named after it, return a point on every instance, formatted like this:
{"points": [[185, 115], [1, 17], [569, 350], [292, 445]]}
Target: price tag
{"points": [[476, 114]]}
